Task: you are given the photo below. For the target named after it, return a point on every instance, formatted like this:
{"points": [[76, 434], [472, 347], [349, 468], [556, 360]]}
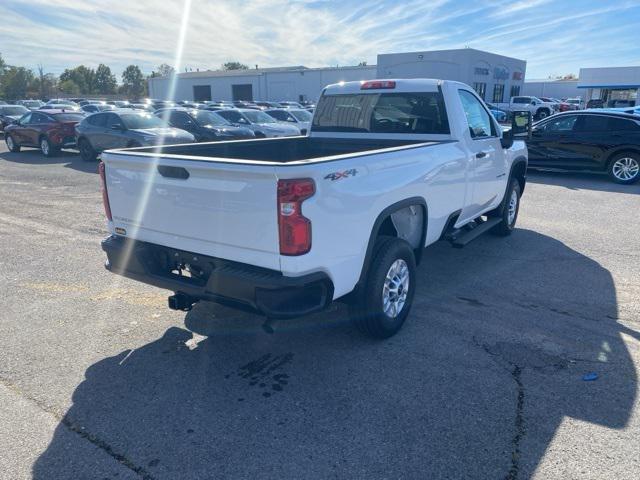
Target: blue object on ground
{"points": [[590, 377]]}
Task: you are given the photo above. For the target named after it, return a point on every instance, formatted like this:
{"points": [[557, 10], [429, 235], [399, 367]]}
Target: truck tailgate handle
{"points": [[173, 172], [481, 154]]}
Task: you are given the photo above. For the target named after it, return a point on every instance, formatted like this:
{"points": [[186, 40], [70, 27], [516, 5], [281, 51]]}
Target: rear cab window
{"points": [[404, 113]]}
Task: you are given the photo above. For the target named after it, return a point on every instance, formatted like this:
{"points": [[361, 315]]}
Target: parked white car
{"points": [[285, 226]]}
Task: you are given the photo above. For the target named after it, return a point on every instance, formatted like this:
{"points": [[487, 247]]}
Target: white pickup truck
{"points": [[285, 226], [538, 108]]}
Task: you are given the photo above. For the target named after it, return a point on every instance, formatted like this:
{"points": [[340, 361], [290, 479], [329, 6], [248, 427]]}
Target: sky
{"points": [[555, 37]]}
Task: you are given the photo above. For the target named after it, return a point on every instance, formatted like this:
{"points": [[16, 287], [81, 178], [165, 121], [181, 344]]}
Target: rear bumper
{"points": [[235, 284]]}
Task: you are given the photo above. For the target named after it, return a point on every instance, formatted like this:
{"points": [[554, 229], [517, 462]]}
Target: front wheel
{"points": [[11, 143], [87, 153], [508, 211], [47, 149], [384, 301], [625, 168]]}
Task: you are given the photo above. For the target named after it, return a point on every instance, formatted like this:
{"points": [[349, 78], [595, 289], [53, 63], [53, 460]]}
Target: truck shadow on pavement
{"points": [[476, 385]]}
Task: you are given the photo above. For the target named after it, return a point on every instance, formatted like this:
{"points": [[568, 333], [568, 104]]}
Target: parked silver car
{"points": [[295, 116], [124, 128], [263, 125]]}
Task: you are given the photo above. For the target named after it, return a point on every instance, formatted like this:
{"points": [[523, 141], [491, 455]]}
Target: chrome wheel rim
{"points": [[44, 146], [625, 168], [9, 141], [513, 207], [396, 288]]}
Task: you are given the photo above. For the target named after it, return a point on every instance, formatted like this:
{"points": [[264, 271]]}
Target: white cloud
{"points": [[65, 33]]}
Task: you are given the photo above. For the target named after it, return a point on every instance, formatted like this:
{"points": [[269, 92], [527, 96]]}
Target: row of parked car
{"points": [[606, 140], [93, 125]]}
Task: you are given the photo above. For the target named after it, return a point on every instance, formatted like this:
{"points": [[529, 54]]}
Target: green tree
{"points": [[104, 81], [69, 86], [82, 76], [234, 66], [3, 67], [16, 82], [133, 82], [165, 70]]}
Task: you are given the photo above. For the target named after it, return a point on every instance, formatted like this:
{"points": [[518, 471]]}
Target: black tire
{"points": [[544, 113], [624, 168], [11, 143], [47, 148], [367, 310], [508, 223], [87, 153]]}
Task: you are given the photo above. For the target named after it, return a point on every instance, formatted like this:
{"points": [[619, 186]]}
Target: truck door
{"points": [[488, 168]]}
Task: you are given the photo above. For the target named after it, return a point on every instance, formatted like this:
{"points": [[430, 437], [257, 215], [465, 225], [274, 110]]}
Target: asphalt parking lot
{"points": [[99, 380]]}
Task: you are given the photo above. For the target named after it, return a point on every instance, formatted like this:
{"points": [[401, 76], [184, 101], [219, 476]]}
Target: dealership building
{"points": [[611, 84], [495, 77]]}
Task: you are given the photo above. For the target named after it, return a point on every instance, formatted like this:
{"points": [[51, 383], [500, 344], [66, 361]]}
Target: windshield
{"points": [[301, 115], [141, 120], [18, 110], [205, 117], [256, 116], [422, 113]]}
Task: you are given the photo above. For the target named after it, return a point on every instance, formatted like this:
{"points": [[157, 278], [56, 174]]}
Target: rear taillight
{"points": [[294, 228], [105, 195], [377, 84]]}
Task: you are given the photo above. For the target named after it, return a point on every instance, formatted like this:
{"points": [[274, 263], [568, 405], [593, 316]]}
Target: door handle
{"points": [[481, 154]]}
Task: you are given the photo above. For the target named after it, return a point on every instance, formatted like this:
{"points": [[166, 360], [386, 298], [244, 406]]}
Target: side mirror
{"points": [[533, 102], [507, 138], [521, 122], [117, 126]]}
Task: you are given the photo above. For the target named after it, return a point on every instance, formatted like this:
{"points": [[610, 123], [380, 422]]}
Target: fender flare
{"points": [[520, 160], [407, 202]]}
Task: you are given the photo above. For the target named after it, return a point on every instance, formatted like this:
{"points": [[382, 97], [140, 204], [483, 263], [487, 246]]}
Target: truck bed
{"points": [[276, 150]]}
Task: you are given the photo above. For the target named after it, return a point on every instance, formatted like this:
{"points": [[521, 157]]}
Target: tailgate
{"points": [[223, 210]]}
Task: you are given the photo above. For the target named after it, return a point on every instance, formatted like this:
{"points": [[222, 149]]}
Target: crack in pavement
{"points": [[520, 430], [80, 431]]}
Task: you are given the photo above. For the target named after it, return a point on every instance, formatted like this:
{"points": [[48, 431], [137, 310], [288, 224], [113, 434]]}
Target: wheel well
{"points": [[620, 152], [519, 172], [385, 226]]}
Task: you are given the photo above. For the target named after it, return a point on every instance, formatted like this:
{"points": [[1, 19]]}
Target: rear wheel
{"points": [[47, 148], [508, 211], [11, 143], [385, 299], [625, 168], [87, 153]]}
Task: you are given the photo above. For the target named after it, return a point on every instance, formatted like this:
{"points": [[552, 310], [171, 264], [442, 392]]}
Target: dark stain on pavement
{"points": [[266, 373]]}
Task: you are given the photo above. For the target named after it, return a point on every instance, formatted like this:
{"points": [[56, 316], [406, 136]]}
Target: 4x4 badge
{"points": [[340, 175]]}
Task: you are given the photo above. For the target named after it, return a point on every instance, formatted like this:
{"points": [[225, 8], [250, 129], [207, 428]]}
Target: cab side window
{"points": [[479, 120]]}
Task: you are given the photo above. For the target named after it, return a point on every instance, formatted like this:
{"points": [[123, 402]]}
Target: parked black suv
{"points": [[205, 125], [588, 140]]}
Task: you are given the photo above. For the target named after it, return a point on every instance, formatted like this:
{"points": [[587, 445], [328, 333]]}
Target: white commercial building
{"points": [[285, 83], [495, 77], [617, 86], [561, 89]]}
